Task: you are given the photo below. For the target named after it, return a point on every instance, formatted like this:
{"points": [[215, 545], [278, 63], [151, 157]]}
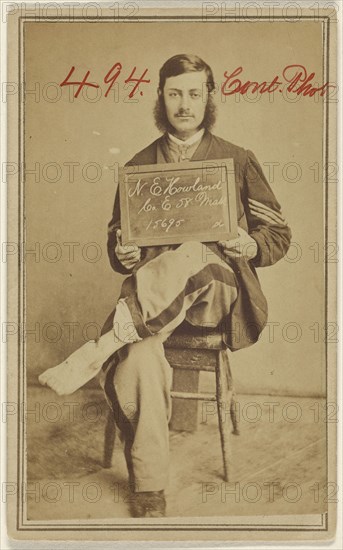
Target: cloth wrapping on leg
{"points": [[170, 287]]}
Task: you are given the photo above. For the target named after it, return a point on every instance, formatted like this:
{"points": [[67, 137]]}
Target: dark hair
{"points": [[179, 64], [185, 63]]}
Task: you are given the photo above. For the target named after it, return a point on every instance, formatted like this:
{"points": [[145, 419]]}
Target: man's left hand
{"points": [[242, 246]]}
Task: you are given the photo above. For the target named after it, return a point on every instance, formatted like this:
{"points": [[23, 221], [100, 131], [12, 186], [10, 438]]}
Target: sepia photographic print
{"points": [[171, 255]]}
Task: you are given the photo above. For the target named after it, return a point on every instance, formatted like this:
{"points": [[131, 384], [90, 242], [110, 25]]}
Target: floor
{"points": [[278, 462]]}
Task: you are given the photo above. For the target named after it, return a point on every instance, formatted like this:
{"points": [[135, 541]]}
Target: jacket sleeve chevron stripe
{"points": [[266, 223]]}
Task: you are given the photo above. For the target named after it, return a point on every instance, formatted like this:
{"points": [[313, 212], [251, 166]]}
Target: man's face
{"points": [[185, 102]]}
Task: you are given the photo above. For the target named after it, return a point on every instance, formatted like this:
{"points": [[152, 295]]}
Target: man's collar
{"points": [[203, 151], [190, 141]]}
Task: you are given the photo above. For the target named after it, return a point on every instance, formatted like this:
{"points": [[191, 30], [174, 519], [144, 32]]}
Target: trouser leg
{"points": [[138, 384]]}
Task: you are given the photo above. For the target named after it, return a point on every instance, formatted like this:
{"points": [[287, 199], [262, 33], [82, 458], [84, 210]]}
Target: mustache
{"points": [[182, 112]]}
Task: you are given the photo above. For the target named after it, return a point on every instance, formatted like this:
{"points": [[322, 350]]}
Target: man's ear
{"points": [[159, 92]]}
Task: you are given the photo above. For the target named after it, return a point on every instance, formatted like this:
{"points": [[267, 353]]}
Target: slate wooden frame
{"points": [[161, 238]]}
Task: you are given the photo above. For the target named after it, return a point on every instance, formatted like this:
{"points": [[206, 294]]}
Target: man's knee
{"points": [[143, 373], [148, 346], [144, 356]]}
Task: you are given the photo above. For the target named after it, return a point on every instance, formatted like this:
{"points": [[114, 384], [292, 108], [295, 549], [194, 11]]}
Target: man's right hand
{"points": [[128, 255]]}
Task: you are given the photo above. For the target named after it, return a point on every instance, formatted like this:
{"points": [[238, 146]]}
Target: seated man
{"points": [[206, 285]]}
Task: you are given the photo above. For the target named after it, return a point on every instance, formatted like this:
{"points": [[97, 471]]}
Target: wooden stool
{"points": [[188, 353]]}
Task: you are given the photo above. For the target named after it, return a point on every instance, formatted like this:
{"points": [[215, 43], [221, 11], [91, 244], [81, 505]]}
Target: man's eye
{"points": [[172, 94], [195, 95]]}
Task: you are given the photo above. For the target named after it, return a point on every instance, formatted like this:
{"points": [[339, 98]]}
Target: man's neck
{"points": [[193, 138], [184, 135]]}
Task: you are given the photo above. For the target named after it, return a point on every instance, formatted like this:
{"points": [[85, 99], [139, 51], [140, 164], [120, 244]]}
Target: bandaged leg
{"points": [[177, 285], [82, 365]]}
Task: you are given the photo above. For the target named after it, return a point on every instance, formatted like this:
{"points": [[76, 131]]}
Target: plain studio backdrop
{"points": [[72, 146]]}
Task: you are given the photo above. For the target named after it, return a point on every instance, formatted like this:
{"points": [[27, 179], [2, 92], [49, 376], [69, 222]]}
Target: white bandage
{"points": [[123, 325]]}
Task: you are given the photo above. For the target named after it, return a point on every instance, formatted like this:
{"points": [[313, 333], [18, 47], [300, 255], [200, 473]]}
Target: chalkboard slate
{"points": [[177, 202]]}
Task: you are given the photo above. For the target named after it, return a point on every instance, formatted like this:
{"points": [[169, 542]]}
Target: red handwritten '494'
{"points": [[110, 78]]}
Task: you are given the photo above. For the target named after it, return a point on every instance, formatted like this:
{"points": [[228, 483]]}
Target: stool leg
{"points": [[233, 412], [110, 433], [223, 403]]}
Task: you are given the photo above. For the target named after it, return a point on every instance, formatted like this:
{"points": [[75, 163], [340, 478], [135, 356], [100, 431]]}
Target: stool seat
{"points": [[212, 340]]}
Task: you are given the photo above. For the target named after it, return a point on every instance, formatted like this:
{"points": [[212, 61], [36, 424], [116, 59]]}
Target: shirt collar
{"points": [[188, 142]]}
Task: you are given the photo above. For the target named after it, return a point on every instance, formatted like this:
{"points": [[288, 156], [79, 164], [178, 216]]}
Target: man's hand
{"points": [[128, 255], [243, 246]]}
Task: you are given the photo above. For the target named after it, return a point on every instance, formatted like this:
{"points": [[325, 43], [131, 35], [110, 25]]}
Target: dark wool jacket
{"points": [[258, 212]]}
